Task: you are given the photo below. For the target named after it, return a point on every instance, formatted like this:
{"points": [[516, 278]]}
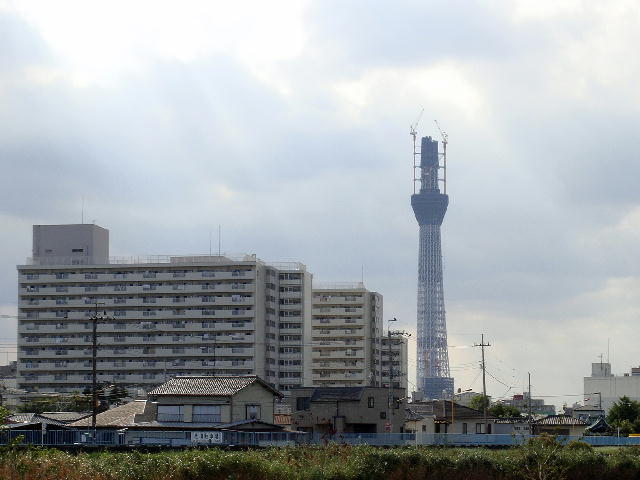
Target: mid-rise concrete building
{"points": [[158, 316], [603, 388], [346, 331], [396, 348]]}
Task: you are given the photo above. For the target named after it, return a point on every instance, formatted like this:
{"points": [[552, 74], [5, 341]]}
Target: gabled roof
{"points": [[337, 394], [561, 420], [66, 417], [445, 410], [219, 386], [32, 419], [121, 416]]}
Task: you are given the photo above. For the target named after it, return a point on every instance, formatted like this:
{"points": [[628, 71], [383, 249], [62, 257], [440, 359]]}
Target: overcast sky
{"points": [[288, 124]]}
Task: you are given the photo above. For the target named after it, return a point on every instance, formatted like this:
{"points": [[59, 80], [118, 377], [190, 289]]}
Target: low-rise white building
{"points": [[603, 388]]}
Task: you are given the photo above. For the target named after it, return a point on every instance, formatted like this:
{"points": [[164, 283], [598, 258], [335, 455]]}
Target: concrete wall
{"points": [[90, 243], [611, 389]]}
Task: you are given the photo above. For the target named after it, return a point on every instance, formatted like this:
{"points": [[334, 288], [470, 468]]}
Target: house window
{"points": [[464, 428], [479, 428], [302, 403], [370, 402], [170, 413], [207, 413], [383, 415], [253, 412], [424, 428]]}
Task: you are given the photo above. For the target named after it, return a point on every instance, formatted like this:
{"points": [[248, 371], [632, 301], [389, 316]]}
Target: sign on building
{"points": [[206, 437]]}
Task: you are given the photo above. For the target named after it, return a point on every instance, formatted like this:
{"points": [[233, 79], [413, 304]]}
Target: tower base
{"points": [[436, 388]]}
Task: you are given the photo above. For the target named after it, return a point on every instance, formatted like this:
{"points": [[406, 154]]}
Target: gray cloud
{"points": [[541, 175]]}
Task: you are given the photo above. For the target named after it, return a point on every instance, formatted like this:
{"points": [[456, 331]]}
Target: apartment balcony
{"points": [[342, 311], [342, 354], [339, 376]]}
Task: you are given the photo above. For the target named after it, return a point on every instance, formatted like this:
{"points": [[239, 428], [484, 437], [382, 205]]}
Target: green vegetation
{"points": [[497, 409], [541, 459], [108, 395], [625, 415]]}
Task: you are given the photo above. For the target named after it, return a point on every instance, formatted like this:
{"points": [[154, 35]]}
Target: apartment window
{"points": [[120, 288], [62, 276], [370, 402], [148, 376], [178, 274], [62, 289], [120, 313], [253, 412], [207, 413], [77, 250], [119, 300], [149, 275], [170, 413]]}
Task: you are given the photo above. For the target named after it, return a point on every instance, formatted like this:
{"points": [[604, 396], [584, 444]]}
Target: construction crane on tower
{"points": [[445, 141]]}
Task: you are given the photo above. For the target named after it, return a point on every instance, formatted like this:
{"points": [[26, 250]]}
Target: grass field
{"points": [[541, 459]]}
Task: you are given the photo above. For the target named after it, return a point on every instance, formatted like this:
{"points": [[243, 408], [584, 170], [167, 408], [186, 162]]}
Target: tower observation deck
{"points": [[429, 206]]}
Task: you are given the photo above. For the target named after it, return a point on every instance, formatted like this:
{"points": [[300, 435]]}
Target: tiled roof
{"points": [[20, 417], [33, 418], [66, 416], [446, 410], [337, 394], [561, 420], [209, 385], [121, 416]]}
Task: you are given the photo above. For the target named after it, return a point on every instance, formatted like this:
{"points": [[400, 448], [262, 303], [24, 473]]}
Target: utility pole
{"points": [[94, 366], [529, 405], [484, 380]]}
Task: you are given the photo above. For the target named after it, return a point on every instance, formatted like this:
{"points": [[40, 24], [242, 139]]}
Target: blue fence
{"points": [[265, 439]]}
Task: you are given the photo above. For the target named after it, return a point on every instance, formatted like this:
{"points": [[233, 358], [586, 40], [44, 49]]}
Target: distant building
{"points": [[603, 388], [446, 416], [164, 316], [347, 325], [399, 361], [538, 407], [334, 410]]}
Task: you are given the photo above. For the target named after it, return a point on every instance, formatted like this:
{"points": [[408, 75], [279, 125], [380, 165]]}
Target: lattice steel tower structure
{"points": [[430, 206]]}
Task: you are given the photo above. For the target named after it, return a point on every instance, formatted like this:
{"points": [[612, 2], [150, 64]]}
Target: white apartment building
{"points": [[161, 316], [603, 389], [399, 361], [346, 328]]}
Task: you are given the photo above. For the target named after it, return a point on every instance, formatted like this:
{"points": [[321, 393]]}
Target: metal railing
{"points": [[134, 438]]}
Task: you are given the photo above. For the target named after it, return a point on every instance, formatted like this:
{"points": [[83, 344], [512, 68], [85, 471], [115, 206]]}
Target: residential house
{"points": [[560, 425], [335, 410]]}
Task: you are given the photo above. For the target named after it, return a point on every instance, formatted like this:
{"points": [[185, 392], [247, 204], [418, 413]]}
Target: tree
{"points": [[504, 411], [479, 402], [625, 415], [116, 394]]}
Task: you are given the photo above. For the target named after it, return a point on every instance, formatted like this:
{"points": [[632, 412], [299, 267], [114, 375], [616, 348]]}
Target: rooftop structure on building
{"points": [[524, 404]]}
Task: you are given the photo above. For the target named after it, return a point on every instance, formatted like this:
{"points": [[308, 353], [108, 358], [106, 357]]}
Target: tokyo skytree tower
{"points": [[430, 206]]}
